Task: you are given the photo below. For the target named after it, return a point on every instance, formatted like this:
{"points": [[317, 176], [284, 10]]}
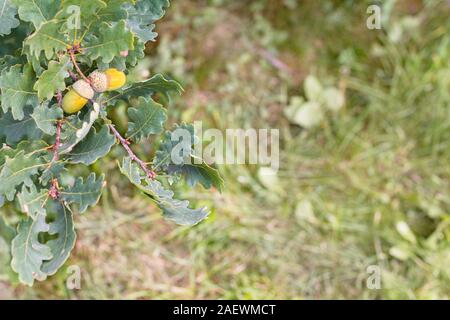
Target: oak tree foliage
{"points": [[46, 46]]}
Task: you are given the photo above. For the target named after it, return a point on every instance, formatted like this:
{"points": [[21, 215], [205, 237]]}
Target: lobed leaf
{"points": [[63, 228], [142, 15], [8, 19], [93, 147], [48, 38], [110, 42], [32, 201], [147, 88], [45, 117], [37, 11], [19, 170], [53, 79], [14, 131], [17, 90], [28, 253], [84, 193], [177, 211], [176, 157], [146, 119]]}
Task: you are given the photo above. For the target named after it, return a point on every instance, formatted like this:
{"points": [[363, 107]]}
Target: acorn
{"points": [[99, 81], [77, 97], [108, 80]]}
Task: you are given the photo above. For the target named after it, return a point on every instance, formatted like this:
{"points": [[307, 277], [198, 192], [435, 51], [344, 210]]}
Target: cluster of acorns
{"points": [[83, 91]]}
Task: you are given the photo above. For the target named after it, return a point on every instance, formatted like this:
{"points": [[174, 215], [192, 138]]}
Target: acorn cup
{"points": [[77, 97], [108, 80]]}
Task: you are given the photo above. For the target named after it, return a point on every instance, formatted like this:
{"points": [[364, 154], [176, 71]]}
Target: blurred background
{"points": [[364, 179]]}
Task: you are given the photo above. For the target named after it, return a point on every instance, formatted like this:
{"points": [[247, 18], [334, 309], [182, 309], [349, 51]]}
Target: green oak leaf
{"points": [[146, 119], [45, 117], [17, 90], [177, 211], [8, 20], [14, 131], [93, 147], [88, 11], [114, 11], [201, 173], [19, 170], [31, 201], [131, 60], [37, 11], [147, 88], [181, 138], [37, 148], [84, 193], [110, 42], [62, 227], [52, 79], [176, 157], [28, 253], [48, 38], [142, 15]]}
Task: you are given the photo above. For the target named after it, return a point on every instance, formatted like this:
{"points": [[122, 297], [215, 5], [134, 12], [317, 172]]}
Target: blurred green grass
{"points": [[368, 186]]}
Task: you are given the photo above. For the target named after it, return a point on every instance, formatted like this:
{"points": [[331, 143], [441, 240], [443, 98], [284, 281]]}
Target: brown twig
{"points": [[71, 52], [72, 75], [53, 192], [58, 130], [125, 144]]}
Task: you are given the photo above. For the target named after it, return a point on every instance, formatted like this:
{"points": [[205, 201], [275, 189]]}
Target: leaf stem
{"points": [[71, 52], [58, 130], [126, 145]]}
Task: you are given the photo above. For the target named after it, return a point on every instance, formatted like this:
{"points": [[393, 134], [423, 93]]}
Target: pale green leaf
{"points": [[147, 88], [177, 211], [53, 79], [14, 131], [176, 157], [46, 118], [48, 38], [28, 253], [8, 19], [146, 119], [17, 90], [93, 147], [110, 42], [31, 201], [143, 14], [63, 228], [84, 193], [37, 11], [17, 171]]}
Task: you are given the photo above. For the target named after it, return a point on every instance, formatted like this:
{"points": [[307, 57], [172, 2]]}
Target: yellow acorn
{"points": [[77, 97], [108, 80], [115, 79]]}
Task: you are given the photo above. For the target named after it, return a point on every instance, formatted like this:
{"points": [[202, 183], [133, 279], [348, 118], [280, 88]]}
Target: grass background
{"points": [[368, 186]]}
